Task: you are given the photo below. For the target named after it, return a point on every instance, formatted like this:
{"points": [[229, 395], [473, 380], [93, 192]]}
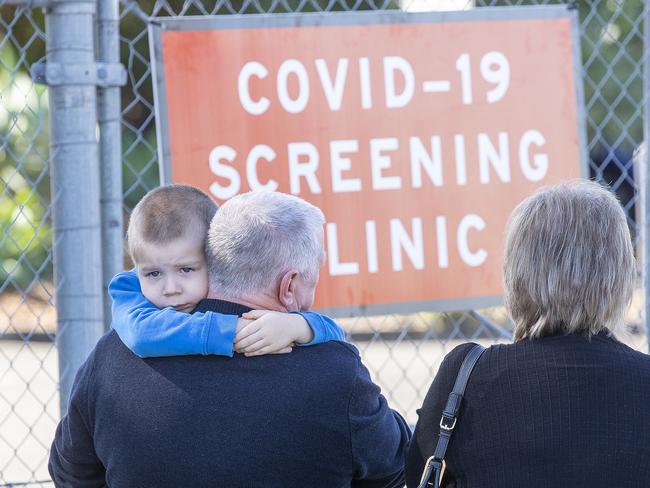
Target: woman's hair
{"points": [[569, 265]]}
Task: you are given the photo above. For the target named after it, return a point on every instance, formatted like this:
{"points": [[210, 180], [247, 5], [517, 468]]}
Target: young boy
{"points": [[166, 239]]}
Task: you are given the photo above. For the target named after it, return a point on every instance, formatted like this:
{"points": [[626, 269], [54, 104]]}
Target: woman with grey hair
{"points": [[566, 404]]}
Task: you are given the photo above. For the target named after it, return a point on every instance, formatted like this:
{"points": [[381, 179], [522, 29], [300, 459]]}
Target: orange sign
{"points": [[415, 137]]}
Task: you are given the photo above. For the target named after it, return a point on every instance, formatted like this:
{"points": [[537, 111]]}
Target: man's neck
{"points": [[258, 301]]}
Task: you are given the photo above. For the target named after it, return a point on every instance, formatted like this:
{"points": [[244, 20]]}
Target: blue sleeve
{"points": [[378, 436], [323, 327], [149, 331]]}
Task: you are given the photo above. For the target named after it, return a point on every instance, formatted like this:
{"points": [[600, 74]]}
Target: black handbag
{"points": [[434, 469]]}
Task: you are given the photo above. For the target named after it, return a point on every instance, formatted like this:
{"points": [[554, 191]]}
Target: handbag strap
{"points": [[449, 419]]}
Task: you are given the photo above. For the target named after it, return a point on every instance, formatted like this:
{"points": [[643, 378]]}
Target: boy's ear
{"points": [[287, 292]]}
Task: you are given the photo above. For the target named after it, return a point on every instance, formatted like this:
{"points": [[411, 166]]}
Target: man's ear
{"points": [[287, 291]]}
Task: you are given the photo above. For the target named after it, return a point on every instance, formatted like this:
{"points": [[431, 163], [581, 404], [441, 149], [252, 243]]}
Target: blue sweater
{"points": [[151, 332], [309, 419]]}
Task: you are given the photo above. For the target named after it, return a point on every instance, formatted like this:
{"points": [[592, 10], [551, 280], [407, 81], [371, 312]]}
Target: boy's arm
{"points": [[271, 332], [149, 331], [323, 327]]}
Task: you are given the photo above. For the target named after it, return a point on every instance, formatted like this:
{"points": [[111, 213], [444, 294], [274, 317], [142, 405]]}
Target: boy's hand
{"points": [[270, 332], [243, 323]]}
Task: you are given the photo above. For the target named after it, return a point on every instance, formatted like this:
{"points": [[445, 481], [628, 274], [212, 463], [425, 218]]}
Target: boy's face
{"points": [[174, 274]]}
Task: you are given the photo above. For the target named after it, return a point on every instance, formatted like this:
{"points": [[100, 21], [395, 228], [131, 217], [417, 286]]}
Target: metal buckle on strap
{"points": [[430, 468], [446, 425]]}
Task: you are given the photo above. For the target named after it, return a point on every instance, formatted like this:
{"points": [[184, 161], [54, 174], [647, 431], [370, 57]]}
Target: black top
{"points": [[311, 418], [221, 306], [562, 411]]}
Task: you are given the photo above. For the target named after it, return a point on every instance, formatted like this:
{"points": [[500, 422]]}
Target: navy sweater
{"points": [[558, 412], [311, 418]]}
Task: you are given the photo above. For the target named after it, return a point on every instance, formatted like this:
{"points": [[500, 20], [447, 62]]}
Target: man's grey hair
{"points": [[256, 237], [569, 265]]}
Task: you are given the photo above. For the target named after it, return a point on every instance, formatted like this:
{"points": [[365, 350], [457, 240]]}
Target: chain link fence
{"points": [[402, 351], [29, 400]]}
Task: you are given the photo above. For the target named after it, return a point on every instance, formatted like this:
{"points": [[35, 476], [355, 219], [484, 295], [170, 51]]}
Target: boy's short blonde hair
{"points": [[168, 213]]}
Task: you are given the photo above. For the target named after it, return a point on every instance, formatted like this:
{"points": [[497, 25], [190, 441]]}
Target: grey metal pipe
{"points": [[110, 151], [75, 191], [27, 3]]}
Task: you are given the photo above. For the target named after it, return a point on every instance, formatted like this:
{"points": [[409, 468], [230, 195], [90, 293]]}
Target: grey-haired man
{"points": [[312, 418]]}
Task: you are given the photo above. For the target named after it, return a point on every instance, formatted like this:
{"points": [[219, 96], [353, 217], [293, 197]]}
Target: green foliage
{"points": [[612, 52], [140, 166], [26, 240]]}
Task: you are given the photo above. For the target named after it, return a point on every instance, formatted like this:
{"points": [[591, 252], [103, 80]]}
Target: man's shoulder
{"points": [[101, 361], [343, 347], [331, 370], [337, 358], [334, 349], [110, 341], [108, 349]]}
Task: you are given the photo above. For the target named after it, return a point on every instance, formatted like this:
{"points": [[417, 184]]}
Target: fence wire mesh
{"points": [[402, 352], [29, 403]]}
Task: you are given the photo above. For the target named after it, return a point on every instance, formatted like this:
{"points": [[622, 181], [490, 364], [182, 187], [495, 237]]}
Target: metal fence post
{"points": [[75, 186], [110, 151]]}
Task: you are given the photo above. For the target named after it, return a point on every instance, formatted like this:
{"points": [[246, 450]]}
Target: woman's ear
{"points": [[287, 291]]}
